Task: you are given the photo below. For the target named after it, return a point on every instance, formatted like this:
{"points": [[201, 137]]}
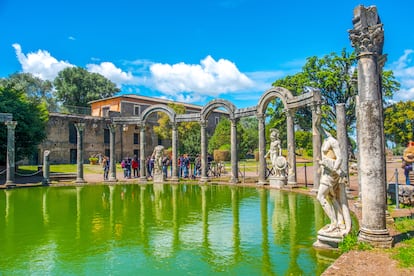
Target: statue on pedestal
{"points": [[279, 163], [158, 156], [331, 192]]}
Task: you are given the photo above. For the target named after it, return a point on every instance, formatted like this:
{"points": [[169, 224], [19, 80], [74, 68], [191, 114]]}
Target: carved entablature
{"points": [[368, 34]]}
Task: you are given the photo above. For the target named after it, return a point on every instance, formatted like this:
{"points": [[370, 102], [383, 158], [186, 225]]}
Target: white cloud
{"points": [[41, 64], [209, 78], [403, 70], [111, 72], [71, 38]]}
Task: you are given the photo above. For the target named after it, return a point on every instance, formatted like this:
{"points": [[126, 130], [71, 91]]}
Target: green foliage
{"points": [[399, 123], [37, 90], [303, 140], [76, 87], [335, 75], [221, 135], [248, 138], [189, 133], [225, 147], [404, 225], [31, 117], [350, 242], [405, 253]]}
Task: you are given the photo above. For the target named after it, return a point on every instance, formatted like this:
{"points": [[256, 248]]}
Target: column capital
{"points": [[112, 127], [367, 37], [11, 124], [260, 116], [80, 126]]}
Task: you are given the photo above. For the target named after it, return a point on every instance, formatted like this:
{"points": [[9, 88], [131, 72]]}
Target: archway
{"points": [[285, 95], [205, 112]]}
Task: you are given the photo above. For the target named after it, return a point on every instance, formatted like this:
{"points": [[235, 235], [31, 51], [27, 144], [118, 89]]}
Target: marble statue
{"points": [[275, 149], [158, 155], [331, 192]]}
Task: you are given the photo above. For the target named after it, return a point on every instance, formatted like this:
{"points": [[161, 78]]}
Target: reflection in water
{"points": [[145, 229]]}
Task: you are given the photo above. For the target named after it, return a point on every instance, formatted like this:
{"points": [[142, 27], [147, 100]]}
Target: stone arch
{"points": [[285, 96], [205, 112], [159, 108], [216, 103], [274, 92]]}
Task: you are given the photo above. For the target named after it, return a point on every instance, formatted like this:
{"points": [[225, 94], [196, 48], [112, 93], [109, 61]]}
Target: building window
{"points": [[216, 120], [137, 110], [106, 136], [73, 137], [105, 111], [136, 138], [136, 153]]}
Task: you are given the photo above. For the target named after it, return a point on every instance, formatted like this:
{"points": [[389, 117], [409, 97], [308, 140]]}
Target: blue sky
{"points": [[193, 51]]}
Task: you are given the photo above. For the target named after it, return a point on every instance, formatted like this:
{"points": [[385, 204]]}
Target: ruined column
{"points": [[204, 160], [234, 160], [10, 174], [80, 127], [142, 170], [262, 148], [174, 152], [316, 146], [46, 168], [291, 147], [112, 158], [342, 137], [368, 38]]}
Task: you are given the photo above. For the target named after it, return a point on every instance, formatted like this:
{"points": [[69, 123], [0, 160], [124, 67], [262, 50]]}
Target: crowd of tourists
{"points": [[187, 167]]}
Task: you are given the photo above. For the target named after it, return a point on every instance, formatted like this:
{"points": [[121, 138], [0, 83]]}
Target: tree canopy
{"points": [[336, 77], [31, 116], [399, 123], [76, 87], [188, 132]]}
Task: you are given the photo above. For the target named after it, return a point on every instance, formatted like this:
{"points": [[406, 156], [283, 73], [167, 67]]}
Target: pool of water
{"points": [[159, 229]]}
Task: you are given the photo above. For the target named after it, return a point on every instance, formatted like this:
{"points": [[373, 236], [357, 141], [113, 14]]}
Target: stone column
{"points": [[204, 160], [316, 146], [342, 137], [10, 174], [174, 152], [46, 168], [291, 147], [368, 37], [142, 168], [112, 158], [234, 160], [262, 149], [80, 127]]}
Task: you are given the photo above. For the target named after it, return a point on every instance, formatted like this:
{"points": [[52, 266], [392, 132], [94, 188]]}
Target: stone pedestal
{"points": [[277, 181], [368, 37], [328, 240]]}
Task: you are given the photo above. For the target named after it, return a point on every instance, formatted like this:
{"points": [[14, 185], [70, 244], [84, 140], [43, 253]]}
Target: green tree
{"points": [[221, 135], [36, 89], [189, 133], [31, 117], [76, 87], [335, 75], [399, 123], [247, 136]]}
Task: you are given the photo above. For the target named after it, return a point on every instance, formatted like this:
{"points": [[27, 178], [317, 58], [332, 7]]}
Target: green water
{"points": [[159, 230]]}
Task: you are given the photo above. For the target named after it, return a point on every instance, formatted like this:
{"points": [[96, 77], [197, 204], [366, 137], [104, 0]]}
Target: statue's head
{"points": [[274, 134]]}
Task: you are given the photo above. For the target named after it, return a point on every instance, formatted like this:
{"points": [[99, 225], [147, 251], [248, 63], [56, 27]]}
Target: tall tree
{"points": [[221, 135], [76, 87], [36, 89], [336, 77], [399, 123], [31, 117]]}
